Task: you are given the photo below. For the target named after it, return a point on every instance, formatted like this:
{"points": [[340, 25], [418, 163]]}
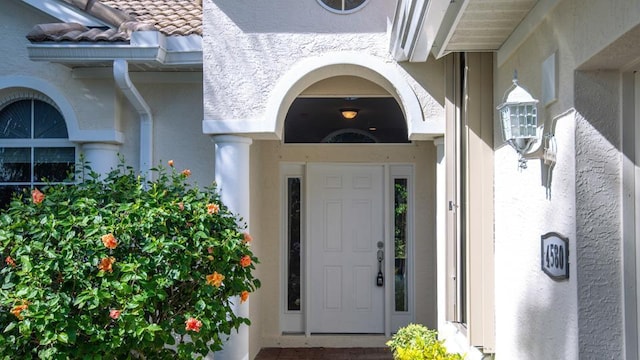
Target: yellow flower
{"points": [[244, 296], [106, 264], [16, 311], [245, 261], [213, 208], [215, 279]]}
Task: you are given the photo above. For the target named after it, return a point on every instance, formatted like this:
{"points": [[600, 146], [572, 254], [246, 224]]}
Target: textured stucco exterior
{"points": [[251, 47], [583, 316], [93, 101], [99, 108], [247, 54]]}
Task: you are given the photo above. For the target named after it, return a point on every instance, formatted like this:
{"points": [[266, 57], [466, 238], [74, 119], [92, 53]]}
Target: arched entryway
{"points": [[279, 170]]}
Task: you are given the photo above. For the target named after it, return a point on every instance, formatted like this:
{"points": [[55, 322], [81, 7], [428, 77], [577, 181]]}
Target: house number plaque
{"points": [[554, 255]]}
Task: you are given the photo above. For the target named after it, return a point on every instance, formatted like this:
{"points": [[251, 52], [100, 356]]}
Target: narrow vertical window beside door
{"points": [[400, 244], [293, 244]]}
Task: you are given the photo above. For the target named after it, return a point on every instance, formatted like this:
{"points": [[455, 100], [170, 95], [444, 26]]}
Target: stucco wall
{"points": [[581, 317], [98, 105], [247, 53], [177, 133], [267, 157], [92, 100]]}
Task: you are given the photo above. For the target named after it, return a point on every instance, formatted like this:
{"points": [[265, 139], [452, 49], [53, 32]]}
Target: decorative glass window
{"points": [[400, 208], [343, 6], [293, 243], [34, 147]]}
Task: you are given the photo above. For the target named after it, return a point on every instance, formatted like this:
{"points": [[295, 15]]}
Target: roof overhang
{"points": [[150, 47], [441, 27]]}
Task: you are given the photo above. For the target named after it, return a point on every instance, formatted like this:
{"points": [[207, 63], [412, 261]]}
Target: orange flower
{"points": [[244, 296], [245, 261], [170, 162], [213, 208], [109, 241], [114, 314], [16, 311], [193, 324], [215, 279], [37, 196], [181, 205], [247, 238], [10, 261], [106, 264], [186, 172]]}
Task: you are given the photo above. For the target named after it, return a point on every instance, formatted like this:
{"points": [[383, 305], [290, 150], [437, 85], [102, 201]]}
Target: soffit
{"points": [[484, 25]]}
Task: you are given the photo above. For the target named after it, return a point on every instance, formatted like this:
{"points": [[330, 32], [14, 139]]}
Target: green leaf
{"points": [[200, 305], [10, 327], [63, 337]]}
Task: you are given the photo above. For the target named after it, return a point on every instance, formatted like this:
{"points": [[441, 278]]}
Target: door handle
{"points": [[380, 277]]}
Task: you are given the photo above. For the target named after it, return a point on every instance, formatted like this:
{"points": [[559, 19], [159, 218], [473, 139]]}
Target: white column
{"points": [[102, 157], [232, 178], [441, 240]]}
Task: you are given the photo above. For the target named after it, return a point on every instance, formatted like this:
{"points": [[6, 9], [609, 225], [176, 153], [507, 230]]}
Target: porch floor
{"points": [[318, 353]]}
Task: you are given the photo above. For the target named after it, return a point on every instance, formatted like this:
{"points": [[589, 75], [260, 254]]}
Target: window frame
{"points": [[469, 260], [291, 321], [32, 143], [342, 11]]}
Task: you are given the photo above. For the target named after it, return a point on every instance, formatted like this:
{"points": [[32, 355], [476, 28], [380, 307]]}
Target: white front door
{"points": [[346, 223]]}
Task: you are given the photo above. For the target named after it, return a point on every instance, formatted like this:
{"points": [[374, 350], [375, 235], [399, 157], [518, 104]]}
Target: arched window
{"points": [[34, 146], [343, 6]]}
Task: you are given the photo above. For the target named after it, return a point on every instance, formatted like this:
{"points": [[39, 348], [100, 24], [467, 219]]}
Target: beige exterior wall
{"points": [[97, 104], [267, 156], [92, 100]]}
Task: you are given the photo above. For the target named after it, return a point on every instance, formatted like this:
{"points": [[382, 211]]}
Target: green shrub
{"points": [[121, 268], [416, 342]]}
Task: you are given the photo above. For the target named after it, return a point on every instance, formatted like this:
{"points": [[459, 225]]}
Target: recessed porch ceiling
{"points": [[313, 120]]}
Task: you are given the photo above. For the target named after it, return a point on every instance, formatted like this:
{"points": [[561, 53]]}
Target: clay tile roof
{"points": [[170, 17]]}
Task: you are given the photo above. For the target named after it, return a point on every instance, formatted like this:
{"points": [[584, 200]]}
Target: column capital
{"points": [[219, 139]]}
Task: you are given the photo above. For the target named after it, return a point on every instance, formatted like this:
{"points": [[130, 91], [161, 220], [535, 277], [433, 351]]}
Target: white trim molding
{"points": [[145, 46], [308, 71]]}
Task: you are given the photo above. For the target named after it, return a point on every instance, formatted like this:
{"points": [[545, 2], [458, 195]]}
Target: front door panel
{"points": [[346, 215]]}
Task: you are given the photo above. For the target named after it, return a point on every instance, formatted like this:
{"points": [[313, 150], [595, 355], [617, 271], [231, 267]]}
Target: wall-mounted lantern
{"points": [[519, 119]]}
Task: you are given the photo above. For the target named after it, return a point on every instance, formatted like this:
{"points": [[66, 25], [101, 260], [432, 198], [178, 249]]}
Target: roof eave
{"points": [[415, 27], [448, 25], [145, 46]]}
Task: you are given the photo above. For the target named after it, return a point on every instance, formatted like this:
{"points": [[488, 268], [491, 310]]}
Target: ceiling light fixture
{"points": [[349, 113]]}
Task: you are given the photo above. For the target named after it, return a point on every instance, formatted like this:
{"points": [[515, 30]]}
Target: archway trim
{"points": [[311, 70]]}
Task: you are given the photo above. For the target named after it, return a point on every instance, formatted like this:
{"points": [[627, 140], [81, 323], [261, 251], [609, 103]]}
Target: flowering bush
{"points": [[121, 268], [416, 342]]}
